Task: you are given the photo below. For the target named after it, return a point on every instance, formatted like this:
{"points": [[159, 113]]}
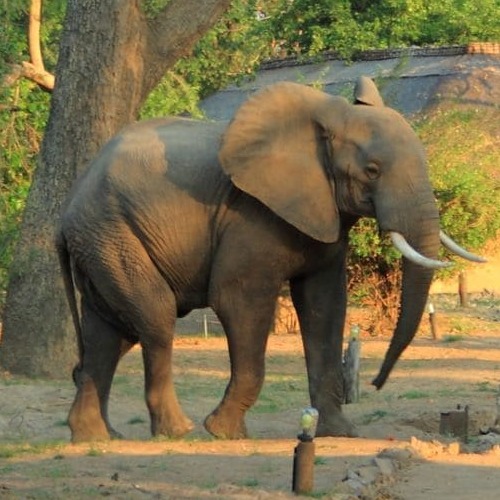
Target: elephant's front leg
{"points": [[246, 315], [320, 301]]}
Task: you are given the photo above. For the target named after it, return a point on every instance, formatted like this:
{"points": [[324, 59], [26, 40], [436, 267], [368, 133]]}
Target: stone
{"points": [[385, 466]]}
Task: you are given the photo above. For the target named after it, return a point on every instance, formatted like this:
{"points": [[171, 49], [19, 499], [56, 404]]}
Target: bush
{"points": [[20, 136], [464, 164], [347, 26]]}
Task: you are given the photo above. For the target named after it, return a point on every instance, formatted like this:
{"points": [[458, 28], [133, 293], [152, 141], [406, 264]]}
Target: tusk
{"points": [[454, 247], [410, 253]]}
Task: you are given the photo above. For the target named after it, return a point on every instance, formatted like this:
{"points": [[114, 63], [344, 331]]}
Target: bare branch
{"points": [[34, 34], [38, 75], [29, 71], [35, 70]]}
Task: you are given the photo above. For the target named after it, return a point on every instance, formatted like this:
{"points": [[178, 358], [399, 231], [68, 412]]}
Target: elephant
{"points": [[176, 214]]}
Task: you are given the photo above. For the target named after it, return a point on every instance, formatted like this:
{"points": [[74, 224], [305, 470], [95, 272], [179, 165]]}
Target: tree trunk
{"points": [[111, 56]]}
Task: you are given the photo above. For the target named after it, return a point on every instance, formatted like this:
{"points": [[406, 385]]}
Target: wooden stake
{"points": [[432, 321], [497, 419], [462, 290], [303, 468], [350, 367]]}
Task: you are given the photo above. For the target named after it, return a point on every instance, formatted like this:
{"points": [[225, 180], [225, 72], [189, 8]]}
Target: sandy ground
{"points": [[37, 461]]}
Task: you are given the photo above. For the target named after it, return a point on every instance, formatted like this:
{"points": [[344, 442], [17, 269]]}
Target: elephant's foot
{"points": [[87, 427], [335, 424], [172, 429], [85, 418], [225, 427], [114, 434]]}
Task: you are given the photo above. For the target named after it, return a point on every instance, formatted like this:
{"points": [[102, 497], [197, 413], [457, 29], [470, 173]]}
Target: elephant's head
{"points": [[310, 157]]}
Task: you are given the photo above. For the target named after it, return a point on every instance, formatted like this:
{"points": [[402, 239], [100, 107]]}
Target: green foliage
{"points": [[23, 114], [463, 163], [414, 394], [228, 53], [449, 339], [347, 26]]}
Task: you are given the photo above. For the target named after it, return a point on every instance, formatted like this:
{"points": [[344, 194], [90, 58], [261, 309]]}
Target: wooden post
{"points": [[303, 467], [350, 367], [497, 419], [432, 321], [205, 326], [462, 290]]}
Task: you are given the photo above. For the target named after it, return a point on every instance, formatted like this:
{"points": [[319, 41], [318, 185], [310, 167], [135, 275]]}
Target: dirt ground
{"points": [[37, 460]]}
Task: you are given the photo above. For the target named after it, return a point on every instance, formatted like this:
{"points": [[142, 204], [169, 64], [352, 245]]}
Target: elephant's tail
{"points": [[69, 286]]}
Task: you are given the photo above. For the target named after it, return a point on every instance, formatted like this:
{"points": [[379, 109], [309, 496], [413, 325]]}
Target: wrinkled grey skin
{"points": [[177, 214]]}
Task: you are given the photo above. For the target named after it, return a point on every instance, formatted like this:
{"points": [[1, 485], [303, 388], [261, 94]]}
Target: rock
{"points": [[487, 442], [368, 474], [453, 448], [397, 454], [355, 485], [385, 466], [362, 479], [427, 449]]}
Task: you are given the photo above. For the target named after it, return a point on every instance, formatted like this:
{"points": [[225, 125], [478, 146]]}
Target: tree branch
{"points": [[175, 29], [34, 70], [38, 75], [34, 34], [29, 71]]}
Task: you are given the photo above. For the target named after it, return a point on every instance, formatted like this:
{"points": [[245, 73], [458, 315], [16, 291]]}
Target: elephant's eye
{"points": [[372, 171]]}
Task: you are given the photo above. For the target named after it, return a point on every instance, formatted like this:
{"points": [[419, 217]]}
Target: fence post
{"points": [[350, 367], [462, 290], [205, 326], [432, 321]]}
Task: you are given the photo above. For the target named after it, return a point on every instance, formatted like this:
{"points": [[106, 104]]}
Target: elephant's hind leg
{"points": [[167, 417], [138, 296], [103, 347], [150, 309]]}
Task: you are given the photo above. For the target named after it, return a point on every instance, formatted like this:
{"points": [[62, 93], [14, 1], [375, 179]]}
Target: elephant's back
{"points": [[157, 183], [152, 161]]}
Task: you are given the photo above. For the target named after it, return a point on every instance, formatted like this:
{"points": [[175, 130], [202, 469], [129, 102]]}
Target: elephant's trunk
{"points": [[416, 282]]}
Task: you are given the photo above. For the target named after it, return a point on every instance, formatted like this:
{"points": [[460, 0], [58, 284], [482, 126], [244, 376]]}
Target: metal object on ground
{"points": [[455, 423]]}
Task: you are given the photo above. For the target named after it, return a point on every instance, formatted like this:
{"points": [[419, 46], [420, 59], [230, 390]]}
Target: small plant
{"points": [[16, 449], [250, 483], [95, 452], [320, 461], [374, 416], [136, 420], [485, 387], [7, 452], [415, 394], [58, 472], [448, 339], [447, 393]]}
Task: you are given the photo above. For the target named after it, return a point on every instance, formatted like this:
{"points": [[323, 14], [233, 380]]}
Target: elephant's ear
{"points": [[275, 150], [366, 92]]}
